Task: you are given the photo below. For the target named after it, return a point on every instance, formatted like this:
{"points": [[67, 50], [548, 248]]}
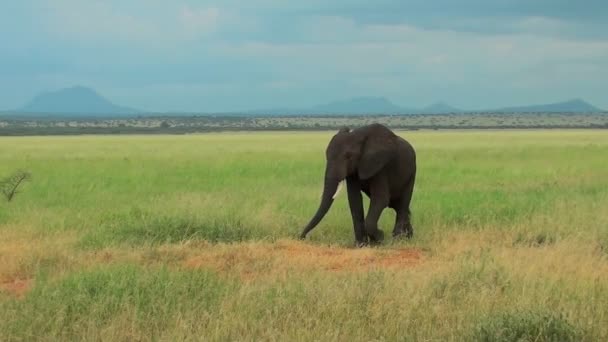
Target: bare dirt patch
{"points": [[257, 259], [17, 287]]}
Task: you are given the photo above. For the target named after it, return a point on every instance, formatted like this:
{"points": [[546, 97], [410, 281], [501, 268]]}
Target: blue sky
{"points": [[236, 55]]}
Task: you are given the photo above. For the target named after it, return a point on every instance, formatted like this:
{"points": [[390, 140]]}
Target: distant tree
{"points": [[164, 124]]}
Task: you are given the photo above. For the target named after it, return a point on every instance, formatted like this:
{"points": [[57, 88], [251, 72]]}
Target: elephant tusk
{"points": [[338, 190]]}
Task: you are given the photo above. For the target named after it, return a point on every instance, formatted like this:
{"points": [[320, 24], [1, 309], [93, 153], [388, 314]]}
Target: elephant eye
{"points": [[348, 155]]}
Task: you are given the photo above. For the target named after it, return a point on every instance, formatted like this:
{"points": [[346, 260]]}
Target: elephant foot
{"points": [[409, 233], [376, 238], [406, 233], [361, 244]]}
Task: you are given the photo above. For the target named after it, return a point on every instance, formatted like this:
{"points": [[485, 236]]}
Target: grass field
{"points": [[125, 238]]}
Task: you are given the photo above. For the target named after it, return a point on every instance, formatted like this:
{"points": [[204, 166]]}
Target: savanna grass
{"points": [[177, 238]]}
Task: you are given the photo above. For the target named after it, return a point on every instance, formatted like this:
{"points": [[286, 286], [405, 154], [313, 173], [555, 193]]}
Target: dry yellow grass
{"points": [[182, 238]]}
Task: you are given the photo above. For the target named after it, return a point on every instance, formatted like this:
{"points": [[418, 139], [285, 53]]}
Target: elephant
{"points": [[376, 161]]}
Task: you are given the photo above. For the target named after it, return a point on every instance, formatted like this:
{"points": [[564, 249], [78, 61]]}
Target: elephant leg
{"points": [[355, 203], [403, 225], [379, 199]]}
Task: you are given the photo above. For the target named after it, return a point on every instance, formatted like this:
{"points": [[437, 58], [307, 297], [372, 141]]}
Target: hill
{"points": [[439, 108], [83, 101], [74, 100], [380, 105], [571, 106], [360, 105]]}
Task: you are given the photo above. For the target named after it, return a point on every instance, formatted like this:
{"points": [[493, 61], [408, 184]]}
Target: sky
{"points": [[225, 56]]}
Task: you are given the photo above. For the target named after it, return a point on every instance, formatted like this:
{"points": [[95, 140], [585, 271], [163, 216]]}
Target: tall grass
{"points": [[511, 226]]}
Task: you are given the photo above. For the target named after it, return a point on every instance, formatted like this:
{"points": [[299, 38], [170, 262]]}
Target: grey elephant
{"points": [[376, 161]]}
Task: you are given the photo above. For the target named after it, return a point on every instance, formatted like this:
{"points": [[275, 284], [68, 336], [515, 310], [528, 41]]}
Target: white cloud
{"points": [[96, 21], [389, 59], [236, 48], [197, 22]]}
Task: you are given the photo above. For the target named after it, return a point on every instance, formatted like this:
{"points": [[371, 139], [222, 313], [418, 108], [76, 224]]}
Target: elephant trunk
{"points": [[330, 190]]}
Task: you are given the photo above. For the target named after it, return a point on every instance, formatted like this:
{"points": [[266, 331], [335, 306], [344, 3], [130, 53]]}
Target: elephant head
{"points": [[359, 153]]}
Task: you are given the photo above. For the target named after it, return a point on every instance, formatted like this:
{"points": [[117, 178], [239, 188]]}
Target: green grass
{"points": [[526, 326], [179, 238], [122, 295]]}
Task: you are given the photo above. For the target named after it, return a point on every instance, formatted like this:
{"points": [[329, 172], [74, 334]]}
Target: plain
{"points": [[192, 237]]}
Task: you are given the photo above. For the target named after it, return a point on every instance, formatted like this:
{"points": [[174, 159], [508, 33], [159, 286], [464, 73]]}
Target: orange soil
{"points": [[17, 287], [252, 260], [256, 260]]}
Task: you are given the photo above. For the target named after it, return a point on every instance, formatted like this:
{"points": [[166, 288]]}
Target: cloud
{"points": [[91, 22], [365, 49], [414, 65], [197, 22], [265, 53]]}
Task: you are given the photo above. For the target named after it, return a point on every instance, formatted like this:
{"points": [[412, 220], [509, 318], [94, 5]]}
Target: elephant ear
{"points": [[379, 148]]}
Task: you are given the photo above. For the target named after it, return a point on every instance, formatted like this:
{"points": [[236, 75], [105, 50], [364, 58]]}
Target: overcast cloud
{"points": [[236, 55]]}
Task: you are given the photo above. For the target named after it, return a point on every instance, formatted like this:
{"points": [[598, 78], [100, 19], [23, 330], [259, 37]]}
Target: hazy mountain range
{"points": [[361, 106], [381, 105], [575, 105], [82, 101], [74, 100]]}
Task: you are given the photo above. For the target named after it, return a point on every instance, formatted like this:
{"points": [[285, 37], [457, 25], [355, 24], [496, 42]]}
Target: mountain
{"points": [[82, 101], [571, 106], [74, 100], [360, 105], [354, 106], [439, 108], [381, 105]]}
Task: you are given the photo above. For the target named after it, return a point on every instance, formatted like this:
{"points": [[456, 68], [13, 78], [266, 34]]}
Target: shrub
{"points": [[9, 186]]}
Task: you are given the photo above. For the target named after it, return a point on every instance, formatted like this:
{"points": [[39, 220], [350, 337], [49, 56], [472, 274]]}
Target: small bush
{"points": [[525, 326], [9, 186]]}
